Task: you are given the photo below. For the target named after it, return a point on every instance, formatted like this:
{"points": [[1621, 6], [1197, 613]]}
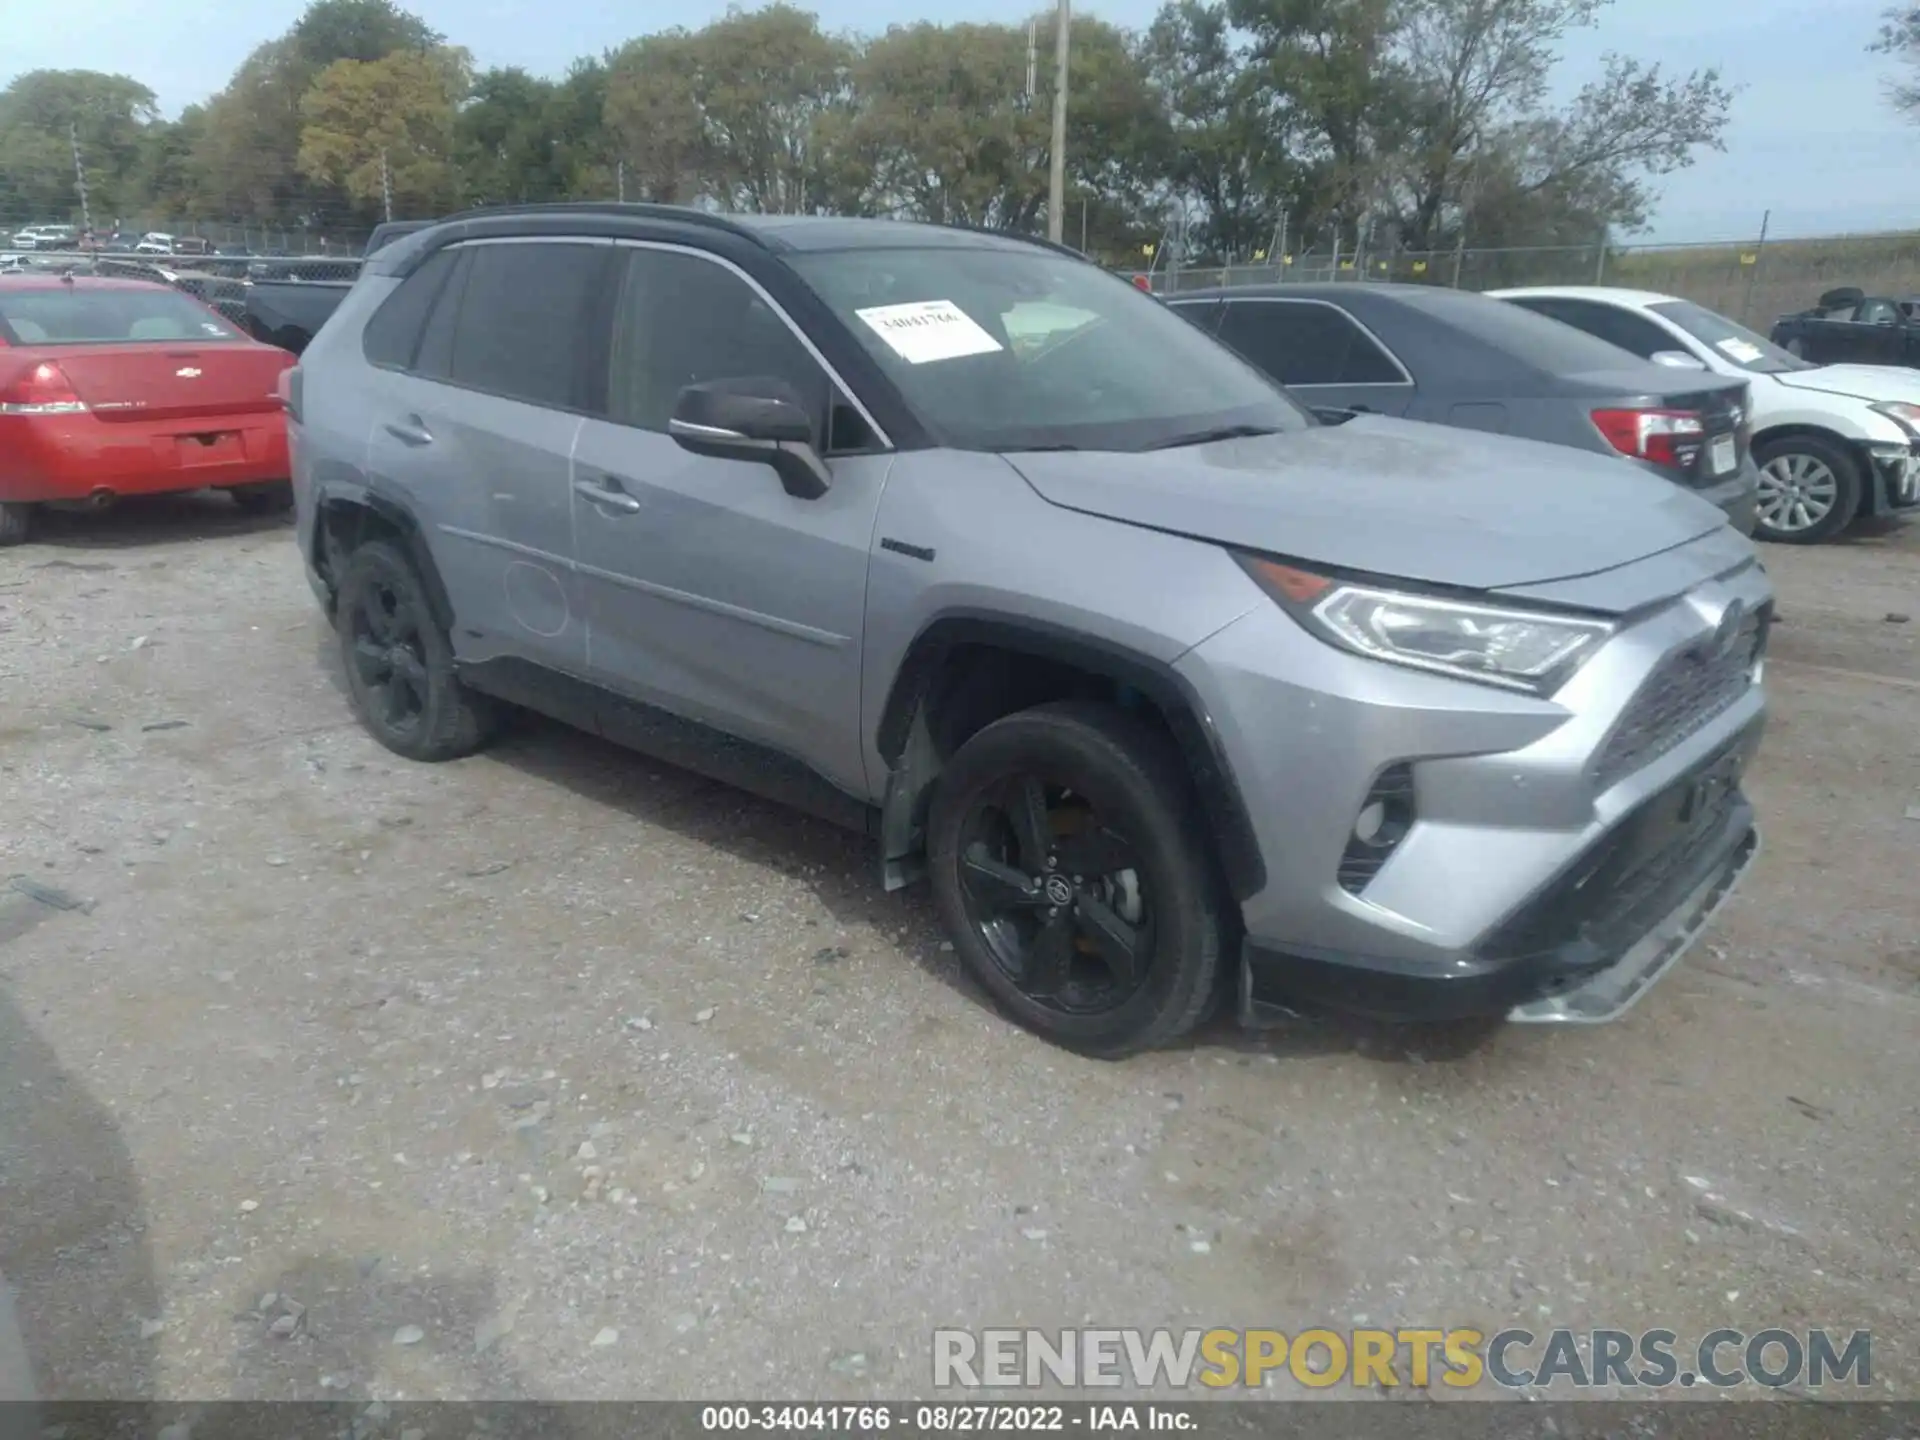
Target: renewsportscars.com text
{"points": [[1459, 1358]]}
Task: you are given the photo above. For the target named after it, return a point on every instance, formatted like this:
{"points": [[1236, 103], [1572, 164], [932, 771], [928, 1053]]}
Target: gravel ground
{"points": [[557, 1073]]}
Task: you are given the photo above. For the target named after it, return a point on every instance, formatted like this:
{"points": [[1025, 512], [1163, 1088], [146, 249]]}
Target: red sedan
{"points": [[125, 387]]}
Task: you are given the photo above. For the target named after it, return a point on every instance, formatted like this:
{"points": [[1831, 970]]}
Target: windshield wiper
{"points": [[1220, 432]]}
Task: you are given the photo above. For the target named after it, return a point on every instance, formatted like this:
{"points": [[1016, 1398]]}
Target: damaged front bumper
{"points": [[1896, 479]]}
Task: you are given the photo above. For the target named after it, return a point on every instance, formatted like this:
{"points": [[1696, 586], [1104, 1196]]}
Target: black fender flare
{"points": [[1222, 801], [393, 514]]}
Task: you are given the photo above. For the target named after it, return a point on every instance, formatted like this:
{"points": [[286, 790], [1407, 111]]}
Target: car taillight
{"points": [[41, 389], [1665, 437]]}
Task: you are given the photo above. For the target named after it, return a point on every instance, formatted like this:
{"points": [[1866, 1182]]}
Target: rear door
{"points": [[1319, 350], [476, 433]]}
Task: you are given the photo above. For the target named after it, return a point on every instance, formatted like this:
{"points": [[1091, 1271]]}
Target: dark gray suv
{"points": [[1177, 695]]}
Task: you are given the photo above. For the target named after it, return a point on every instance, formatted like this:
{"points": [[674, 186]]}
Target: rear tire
{"points": [[1798, 475], [399, 662], [16, 521], [1127, 955], [265, 497]]}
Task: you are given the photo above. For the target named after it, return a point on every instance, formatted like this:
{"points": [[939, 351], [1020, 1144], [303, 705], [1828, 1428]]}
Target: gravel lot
{"points": [[558, 1073]]}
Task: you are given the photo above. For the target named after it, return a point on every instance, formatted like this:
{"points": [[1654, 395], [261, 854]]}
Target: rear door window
{"points": [[393, 334], [1307, 342], [525, 320]]}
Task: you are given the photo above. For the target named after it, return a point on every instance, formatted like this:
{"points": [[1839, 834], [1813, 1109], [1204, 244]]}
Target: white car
{"points": [[154, 243], [1834, 443], [27, 239]]}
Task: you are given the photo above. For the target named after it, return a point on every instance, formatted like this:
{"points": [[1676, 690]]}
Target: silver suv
{"points": [[1176, 694]]}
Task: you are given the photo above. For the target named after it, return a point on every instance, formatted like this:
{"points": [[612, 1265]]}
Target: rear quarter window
{"points": [[392, 336], [82, 315]]}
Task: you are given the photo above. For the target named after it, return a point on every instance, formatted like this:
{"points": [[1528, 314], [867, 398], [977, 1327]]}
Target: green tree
{"points": [[504, 147], [765, 81], [374, 126], [653, 111], [43, 112], [1900, 38], [246, 157]]}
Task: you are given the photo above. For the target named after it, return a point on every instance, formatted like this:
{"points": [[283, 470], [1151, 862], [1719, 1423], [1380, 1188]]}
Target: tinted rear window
{"points": [[1535, 341], [80, 315], [524, 319], [393, 335]]}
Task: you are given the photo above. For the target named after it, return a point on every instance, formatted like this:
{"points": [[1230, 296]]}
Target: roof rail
{"points": [[686, 214], [1055, 245]]}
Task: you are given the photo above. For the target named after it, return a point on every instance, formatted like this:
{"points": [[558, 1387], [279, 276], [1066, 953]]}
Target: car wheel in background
{"points": [[1809, 490], [16, 520], [266, 497], [1071, 869], [399, 662]]}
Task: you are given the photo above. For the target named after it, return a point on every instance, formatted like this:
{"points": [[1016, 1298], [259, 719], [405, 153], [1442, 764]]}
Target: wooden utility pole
{"points": [[1057, 181]]}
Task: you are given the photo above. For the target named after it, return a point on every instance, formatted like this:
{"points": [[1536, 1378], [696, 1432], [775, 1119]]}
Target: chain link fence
{"points": [[1754, 282]]}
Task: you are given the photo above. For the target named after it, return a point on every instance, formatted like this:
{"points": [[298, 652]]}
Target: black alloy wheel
{"points": [[1054, 893], [1074, 873], [399, 663], [388, 657]]}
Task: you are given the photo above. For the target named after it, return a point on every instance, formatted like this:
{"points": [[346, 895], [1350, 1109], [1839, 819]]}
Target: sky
{"points": [[1812, 138]]}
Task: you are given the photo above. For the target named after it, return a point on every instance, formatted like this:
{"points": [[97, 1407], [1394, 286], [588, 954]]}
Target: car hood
{"points": [[1391, 498], [1864, 382]]}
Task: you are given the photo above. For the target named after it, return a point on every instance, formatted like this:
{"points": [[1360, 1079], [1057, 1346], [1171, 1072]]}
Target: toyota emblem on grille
{"points": [[1058, 891]]}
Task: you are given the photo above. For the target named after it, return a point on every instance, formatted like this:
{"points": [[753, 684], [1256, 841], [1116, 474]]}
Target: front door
{"points": [[710, 591]]}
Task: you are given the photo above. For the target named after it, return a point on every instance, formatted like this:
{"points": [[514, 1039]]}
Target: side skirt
{"points": [[747, 765]]}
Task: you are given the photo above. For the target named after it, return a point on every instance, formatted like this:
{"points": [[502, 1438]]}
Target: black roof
{"points": [[780, 233]]}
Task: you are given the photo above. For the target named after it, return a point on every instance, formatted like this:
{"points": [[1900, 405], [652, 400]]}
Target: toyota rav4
{"points": [[1175, 694]]}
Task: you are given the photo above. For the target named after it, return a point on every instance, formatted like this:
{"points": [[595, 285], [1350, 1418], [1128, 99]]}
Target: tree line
{"points": [[1237, 125]]}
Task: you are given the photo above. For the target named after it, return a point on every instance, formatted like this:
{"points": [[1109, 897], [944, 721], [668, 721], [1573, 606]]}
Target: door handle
{"points": [[603, 495], [411, 431]]}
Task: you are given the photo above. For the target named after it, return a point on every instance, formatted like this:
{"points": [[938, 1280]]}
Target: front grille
{"points": [[1680, 698], [1622, 886]]}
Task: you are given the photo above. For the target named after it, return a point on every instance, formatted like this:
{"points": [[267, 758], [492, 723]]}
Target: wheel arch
{"points": [[965, 669], [344, 521]]}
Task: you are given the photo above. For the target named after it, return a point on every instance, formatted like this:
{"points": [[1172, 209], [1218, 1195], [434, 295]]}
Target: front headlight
{"points": [[1906, 416], [1492, 644]]}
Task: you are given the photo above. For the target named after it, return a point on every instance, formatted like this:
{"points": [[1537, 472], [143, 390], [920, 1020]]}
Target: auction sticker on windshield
{"points": [[1743, 352], [928, 330]]}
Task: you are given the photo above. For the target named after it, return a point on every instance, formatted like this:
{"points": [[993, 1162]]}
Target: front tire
{"points": [[399, 662], [1810, 490], [16, 522], [1071, 868]]}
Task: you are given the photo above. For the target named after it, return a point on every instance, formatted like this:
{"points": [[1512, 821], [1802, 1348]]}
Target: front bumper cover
{"points": [[1896, 479], [1582, 951]]}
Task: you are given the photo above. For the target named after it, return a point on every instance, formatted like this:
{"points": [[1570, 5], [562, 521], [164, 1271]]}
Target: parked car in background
{"points": [[154, 242], [26, 238], [1833, 442], [1850, 326], [1178, 696], [122, 387], [1456, 358]]}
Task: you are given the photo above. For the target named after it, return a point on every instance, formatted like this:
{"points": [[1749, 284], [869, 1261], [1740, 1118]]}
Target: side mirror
{"points": [[752, 419], [1678, 360], [1333, 414]]}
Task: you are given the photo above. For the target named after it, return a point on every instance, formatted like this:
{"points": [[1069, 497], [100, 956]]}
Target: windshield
{"points": [[1018, 349], [73, 315], [1733, 343]]}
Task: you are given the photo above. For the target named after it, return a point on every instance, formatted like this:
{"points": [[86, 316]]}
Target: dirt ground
{"points": [[558, 1073]]}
